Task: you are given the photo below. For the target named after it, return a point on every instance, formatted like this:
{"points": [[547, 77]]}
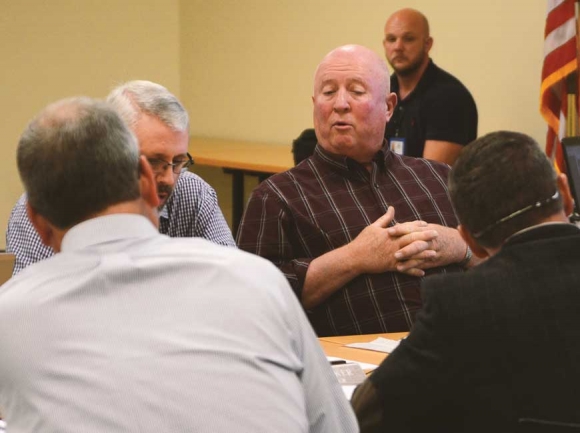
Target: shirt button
{"points": [[376, 185]]}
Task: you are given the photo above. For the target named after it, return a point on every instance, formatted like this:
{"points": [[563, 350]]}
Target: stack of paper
{"points": [[379, 345], [349, 389]]}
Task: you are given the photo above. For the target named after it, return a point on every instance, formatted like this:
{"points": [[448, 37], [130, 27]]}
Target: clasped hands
{"points": [[409, 247]]}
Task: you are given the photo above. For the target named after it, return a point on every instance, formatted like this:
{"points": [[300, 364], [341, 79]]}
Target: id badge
{"points": [[397, 145]]}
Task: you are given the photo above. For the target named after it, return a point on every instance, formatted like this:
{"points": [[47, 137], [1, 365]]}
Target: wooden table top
{"points": [[241, 155], [335, 346]]}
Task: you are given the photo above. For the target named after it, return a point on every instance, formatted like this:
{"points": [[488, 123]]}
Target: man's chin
{"points": [[162, 202], [405, 69]]}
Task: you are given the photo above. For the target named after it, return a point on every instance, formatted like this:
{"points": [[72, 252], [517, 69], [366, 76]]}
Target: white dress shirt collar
{"points": [[107, 228]]}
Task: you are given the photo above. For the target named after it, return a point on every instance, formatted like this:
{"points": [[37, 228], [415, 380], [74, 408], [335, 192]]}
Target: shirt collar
{"points": [[164, 213], [107, 228], [346, 164], [544, 230]]}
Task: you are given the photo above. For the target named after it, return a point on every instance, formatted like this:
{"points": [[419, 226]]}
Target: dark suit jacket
{"points": [[492, 345]]}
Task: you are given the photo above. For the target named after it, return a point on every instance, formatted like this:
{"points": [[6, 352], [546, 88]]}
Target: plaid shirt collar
{"points": [[348, 165]]}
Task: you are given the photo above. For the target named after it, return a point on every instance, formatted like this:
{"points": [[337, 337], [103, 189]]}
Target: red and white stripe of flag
{"points": [[559, 61]]}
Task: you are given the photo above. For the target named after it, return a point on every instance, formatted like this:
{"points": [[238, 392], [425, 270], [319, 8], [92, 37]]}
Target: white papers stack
{"points": [[378, 345], [349, 389]]}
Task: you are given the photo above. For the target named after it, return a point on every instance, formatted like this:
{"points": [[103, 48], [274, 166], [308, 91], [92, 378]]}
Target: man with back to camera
{"points": [[355, 226], [496, 346], [123, 330], [435, 115], [189, 206]]}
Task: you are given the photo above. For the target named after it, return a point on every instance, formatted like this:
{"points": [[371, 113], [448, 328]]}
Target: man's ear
{"points": [[428, 44], [564, 189], [477, 249], [44, 229], [147, 183]]}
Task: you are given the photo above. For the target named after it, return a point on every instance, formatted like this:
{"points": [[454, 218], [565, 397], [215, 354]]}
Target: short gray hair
{"points": [[135, 97], [76, 158]]}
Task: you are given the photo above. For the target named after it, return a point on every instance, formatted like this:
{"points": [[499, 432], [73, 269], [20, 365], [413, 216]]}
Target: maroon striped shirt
{"points": [[324, 203]]}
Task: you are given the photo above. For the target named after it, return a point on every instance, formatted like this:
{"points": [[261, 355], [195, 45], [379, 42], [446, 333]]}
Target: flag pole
{"points": [[572, 95], [573, 84]]}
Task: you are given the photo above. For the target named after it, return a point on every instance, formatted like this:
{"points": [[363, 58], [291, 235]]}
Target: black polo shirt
{"points": [[439, 108]]}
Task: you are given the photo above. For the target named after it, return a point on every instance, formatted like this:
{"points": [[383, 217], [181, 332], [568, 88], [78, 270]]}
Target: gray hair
{"points": [[76, 158], [135, 97]]}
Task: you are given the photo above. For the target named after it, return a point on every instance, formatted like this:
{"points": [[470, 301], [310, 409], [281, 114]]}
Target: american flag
{"points": [[558, 74]]}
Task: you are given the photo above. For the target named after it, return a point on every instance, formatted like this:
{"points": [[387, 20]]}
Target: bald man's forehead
{"points": [[359, 56], [408, 21], [360, 66]]}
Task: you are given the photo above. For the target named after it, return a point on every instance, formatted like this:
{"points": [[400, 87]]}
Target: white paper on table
{"points": [[378, 345], [349, 389]]}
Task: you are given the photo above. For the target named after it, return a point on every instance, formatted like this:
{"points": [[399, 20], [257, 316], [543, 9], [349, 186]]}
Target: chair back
{"points": [[6, 266], [303, 146]]}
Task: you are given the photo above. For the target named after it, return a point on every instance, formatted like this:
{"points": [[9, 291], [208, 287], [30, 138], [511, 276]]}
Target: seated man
{"points": [[324, 222], [189, 206], [496, 345], [124, 329]]}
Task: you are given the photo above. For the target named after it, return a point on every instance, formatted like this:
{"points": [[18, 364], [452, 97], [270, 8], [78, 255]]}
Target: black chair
{"points": [[304, 145]]}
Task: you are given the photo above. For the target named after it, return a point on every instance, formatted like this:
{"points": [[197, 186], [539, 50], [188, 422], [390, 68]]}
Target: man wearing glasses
{"points": [[189, 206]]}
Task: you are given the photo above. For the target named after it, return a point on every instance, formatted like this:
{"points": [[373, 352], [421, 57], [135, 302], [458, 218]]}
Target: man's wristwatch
{"points": [[468, 255]]}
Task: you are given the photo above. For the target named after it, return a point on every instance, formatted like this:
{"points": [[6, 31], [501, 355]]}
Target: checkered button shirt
{"points": [[324, 203], [191, 211]]}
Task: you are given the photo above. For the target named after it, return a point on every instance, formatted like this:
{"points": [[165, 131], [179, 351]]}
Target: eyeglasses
{"points": [[536, 205], [178, 167]]}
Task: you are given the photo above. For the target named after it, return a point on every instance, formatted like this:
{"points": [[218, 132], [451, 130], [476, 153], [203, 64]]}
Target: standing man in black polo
{"points": [[435, 115]]}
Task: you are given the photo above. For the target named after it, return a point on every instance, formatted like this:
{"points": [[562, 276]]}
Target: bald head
{"points": [[355, 56], [63, 111], [352, 102], [411, 17], [75, 159], [407, 42]]}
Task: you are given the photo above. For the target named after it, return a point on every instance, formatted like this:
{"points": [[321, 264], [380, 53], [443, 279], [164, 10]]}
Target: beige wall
{"points": [[58, 48], [247, 66], [244, 68]]}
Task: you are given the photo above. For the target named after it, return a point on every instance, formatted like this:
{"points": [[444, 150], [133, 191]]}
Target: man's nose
{"points": [[166, 176], [341, 103]]}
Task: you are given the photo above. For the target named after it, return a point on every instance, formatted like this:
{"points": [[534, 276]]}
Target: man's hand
{"points": [[372, 251], [375, 249], [446, 248]]}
